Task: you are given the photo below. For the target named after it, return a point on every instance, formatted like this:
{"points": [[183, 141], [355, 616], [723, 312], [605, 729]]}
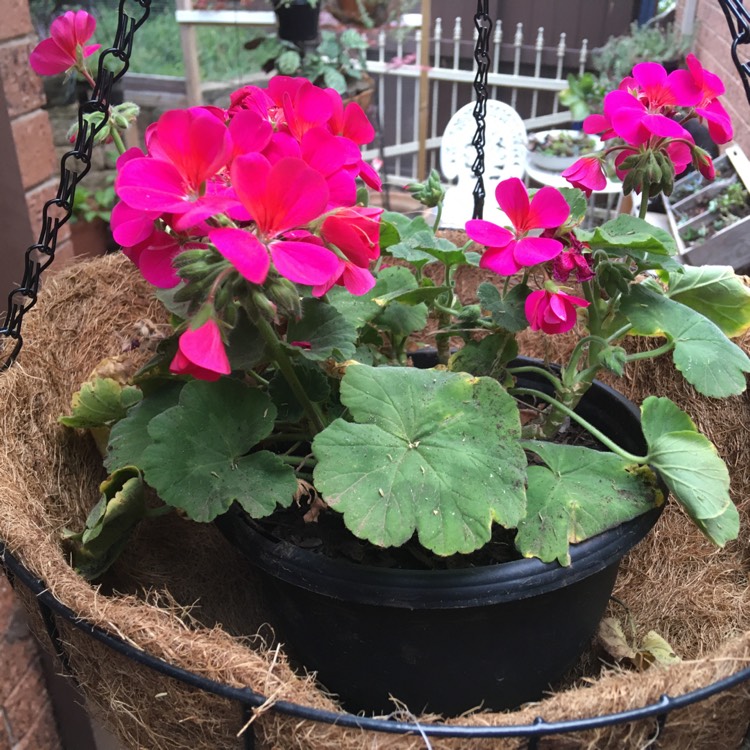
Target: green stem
{"points": [[298, 460], [651, 352], [600, 436], [644, 201], [539, 371], [117, 139], [438, 216], [618, 334], [311, 409]]}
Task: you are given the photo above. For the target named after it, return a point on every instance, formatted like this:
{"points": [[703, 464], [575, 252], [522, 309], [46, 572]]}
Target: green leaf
{"points": [[690, 467], [629, 233], [716, 292], [167, 298], [412, 296], [485, 357], [245, 347], [129, 437], [199, 459], [100, 402], [576, 199], [325, 329], [315, 383], [400, 319], [580, 492], [109, 524], [288, 62], [333, 79], [392, 226], [430, 451], [507, 311], [707, 359], [358, 311]]}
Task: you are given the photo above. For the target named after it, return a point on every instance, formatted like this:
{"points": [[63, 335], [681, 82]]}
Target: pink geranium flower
{"points": [[60, 52], [281, 197], [507, 252], [201, 353], [187, 148], [587, 174], [552, 312]]}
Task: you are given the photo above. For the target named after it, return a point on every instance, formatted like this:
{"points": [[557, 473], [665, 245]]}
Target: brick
{"points": [[36, 156], [27, 701], [16, 19], [16, 660], [23, 88], [43, 735]]}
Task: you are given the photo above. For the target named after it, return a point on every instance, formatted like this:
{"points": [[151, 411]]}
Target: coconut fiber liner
{"points": [[181, 593]]}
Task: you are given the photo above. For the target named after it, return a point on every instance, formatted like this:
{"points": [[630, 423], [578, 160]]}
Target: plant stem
{"points": [[436, 225], [600, 436], [651, 352], [644, 201], [539, 371], [311, 409], [117, 139]]}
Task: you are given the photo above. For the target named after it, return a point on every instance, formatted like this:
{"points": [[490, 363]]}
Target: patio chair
{"points": [[504, 156]]}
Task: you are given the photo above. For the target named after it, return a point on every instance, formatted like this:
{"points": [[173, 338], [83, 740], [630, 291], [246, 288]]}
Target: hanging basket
{"points": [[161, 651]]}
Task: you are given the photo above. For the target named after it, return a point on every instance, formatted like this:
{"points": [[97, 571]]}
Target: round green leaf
{"points": [[100, 402], [199, 457], [326, 331], [580, 492], [690, 467], [429, 451], [707, 359]]}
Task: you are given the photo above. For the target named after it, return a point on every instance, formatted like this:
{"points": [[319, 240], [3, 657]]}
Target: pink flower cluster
{"points": [[648, 112], [269, 183], [509, 251]]}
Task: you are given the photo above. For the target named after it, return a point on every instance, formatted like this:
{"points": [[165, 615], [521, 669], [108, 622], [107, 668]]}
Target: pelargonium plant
{"points": [[296, 309]]}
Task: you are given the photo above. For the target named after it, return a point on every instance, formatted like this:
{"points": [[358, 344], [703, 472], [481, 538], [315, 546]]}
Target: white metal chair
{"points": [[504, 156]]}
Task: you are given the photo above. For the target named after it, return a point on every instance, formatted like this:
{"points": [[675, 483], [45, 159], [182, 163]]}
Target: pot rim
{"points": [[431, 589]]}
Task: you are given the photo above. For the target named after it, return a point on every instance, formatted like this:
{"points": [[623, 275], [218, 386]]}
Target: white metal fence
{"points": [[528, 76]]}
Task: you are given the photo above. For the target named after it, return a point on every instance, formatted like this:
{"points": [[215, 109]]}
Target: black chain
{"points": [[738, 20], [483, 25], [74, 165]]}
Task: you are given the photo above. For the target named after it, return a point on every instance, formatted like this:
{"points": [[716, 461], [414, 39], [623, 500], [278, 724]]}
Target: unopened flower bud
{"points": [[430, 192], [284, 294]]}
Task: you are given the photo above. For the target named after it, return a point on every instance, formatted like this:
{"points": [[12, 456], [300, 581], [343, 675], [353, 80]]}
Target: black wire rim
{"points": [[249, 699]]}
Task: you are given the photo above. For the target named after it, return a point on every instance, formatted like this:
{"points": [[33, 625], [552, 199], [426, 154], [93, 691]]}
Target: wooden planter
{"points": [[687, 213]]}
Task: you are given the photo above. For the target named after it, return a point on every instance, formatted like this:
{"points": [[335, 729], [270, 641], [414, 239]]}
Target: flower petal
{"points": [[304, 262], [500, 260], [244, 251], [548, 209], [487, 233], [513, 199], [532, 250]]}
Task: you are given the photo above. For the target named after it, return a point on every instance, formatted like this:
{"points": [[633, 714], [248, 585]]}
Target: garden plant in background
{"points": [[286, 379]]}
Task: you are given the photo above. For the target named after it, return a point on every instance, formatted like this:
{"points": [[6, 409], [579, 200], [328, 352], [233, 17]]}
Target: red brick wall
{"points": [[712, 48], [30, 166], [28, 177]]}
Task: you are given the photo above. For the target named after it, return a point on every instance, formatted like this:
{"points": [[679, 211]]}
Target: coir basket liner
{"points": [[164, 597]]}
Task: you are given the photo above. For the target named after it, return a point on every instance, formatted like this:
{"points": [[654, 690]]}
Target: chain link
{"points": [[738, 20], [113, 63], [483, 25]]}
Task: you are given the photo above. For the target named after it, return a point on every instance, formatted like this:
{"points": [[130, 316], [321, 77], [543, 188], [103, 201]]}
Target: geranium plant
{"points": [[294, 307]]}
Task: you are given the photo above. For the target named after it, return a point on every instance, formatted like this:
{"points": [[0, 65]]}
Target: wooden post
{"points": [[424, 90], [190, 58]]}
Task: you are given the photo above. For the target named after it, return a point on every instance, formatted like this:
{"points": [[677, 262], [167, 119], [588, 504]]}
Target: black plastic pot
{"points": [[447, 640], [298, 20]]}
